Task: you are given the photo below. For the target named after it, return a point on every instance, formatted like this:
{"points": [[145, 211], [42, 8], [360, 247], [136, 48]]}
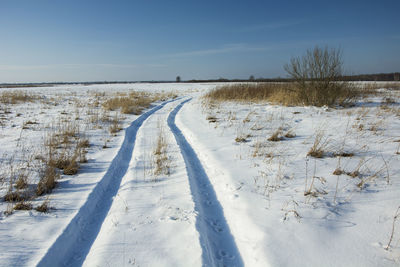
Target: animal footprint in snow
{"points": [[216, 226], [222, 254]]}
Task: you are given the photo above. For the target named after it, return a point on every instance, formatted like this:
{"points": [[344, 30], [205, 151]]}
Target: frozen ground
{"points": [[229, 197]]}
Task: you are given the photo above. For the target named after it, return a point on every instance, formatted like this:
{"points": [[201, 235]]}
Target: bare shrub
{"points": [[317, 78]]}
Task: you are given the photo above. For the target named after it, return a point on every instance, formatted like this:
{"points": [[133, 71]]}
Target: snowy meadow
{"points": [[179, 174]]}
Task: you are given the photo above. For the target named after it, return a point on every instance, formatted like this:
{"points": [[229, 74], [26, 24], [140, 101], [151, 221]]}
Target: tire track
{"points": [[217, 242], [73, 245]]}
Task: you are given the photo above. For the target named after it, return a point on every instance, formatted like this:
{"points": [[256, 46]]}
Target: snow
{"points": [[223, 203]]}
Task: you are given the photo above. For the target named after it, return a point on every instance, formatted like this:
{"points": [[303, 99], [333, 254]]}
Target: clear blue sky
{"points": [[54, 40]]}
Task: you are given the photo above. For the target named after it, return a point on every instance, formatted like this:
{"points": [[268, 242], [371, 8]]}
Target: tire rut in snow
{"points": [[73, 245], [218, 245]]}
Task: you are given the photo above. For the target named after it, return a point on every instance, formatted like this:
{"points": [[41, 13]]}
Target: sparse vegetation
{"points": [[315, 82], [17, 97], [317, 78], [44, 207], [161, 161], [23, 206], [319, 146]]}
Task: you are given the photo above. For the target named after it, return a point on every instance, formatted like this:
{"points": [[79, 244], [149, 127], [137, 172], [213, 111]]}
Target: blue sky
{"points": [[54, 40]]}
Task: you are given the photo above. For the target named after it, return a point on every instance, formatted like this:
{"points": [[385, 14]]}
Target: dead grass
{"points": [[115, 126], [15, 196], [290, 134], [23, 206], [289, 94], [319, 146], [17, 97], [276, 136], [48, 180], [44, 207], [22, 181], [260, 92], [134, 103], [161, 161]]}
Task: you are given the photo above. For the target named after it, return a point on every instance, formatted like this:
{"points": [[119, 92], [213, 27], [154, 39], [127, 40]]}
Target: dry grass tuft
{"points": [[161, 160], [22, 181], [240, 139], [44, 207], [338, 171], [48, 180], [15, 196], [276, 136], [319, 147], [23, 206], [72, 168], [290, 134]]}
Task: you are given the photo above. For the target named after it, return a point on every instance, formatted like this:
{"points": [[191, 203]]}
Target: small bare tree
{"points": [[316, 75]]}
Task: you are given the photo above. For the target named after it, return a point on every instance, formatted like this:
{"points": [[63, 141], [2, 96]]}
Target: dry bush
{"points": [[316, 81], [317, 78]]}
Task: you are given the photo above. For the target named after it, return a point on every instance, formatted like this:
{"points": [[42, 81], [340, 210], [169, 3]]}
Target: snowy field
{"points": [[187, 182]]}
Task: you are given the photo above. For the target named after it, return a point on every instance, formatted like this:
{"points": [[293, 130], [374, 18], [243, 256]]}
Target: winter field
{"points": [[159, 175]]}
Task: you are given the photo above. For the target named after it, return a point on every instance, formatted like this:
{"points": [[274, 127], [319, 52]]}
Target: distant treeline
{"points": [[386, 77]]}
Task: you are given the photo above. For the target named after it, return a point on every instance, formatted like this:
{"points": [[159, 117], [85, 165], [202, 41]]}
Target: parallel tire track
{"points": [[218, 245], [73, 245]]}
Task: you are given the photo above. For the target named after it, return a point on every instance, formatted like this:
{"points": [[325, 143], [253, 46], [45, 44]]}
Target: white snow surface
{"points": [[223, 202]]}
